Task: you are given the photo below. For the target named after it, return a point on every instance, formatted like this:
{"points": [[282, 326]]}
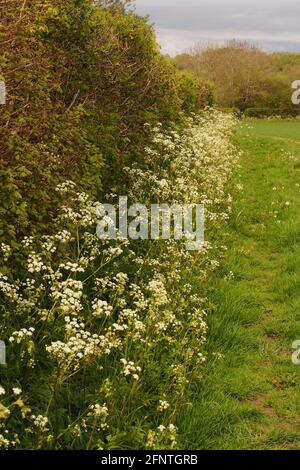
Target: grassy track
{"points": [[250, 399]]}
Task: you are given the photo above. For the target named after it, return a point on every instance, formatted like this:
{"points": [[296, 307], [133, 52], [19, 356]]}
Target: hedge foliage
{"points": [[82, 81]]}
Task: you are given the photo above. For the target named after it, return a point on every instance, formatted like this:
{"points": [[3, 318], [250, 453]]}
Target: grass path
{"points": [[250, 399]]}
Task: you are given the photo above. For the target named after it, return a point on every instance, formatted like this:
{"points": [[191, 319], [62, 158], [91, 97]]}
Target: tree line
{"points": [[245, 77]]}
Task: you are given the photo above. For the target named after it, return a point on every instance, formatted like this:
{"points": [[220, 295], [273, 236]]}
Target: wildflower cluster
{"points": [[102, 334]]}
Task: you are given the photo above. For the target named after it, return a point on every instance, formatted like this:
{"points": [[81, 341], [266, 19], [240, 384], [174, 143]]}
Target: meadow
{"points": [[249, 399]]}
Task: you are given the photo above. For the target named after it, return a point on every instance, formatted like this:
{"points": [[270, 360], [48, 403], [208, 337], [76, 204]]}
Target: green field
{"points": [[250, 398]]}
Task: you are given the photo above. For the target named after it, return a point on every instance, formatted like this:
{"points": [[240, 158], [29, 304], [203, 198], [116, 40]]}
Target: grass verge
{"points": [[250, 397]]}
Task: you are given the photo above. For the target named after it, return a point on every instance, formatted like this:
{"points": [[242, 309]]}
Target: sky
{"points": [[180, 24]]}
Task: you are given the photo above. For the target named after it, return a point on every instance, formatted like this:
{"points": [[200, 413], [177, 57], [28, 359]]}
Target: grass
{"points": [[250, 398]]}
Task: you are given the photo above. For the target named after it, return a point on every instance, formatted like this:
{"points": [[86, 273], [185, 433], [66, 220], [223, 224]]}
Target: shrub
{"points": [[269, 112], [194, 93], [82, 81]]}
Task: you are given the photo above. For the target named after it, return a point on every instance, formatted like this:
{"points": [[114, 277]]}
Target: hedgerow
{"points": [[81, 80], [105, 337]]}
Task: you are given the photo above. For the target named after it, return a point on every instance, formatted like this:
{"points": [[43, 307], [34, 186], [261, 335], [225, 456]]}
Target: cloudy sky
{"points": [[271, 24]]}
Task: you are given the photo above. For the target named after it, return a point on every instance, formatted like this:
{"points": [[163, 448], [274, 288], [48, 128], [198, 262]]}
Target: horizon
{"points": [[267, 24]]}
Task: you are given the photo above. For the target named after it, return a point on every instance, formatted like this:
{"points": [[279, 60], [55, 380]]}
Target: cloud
{"points": [[174, 41], [272, 24]]}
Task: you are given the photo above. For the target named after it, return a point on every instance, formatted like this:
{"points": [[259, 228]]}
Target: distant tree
{"points": [[243, 76]]}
